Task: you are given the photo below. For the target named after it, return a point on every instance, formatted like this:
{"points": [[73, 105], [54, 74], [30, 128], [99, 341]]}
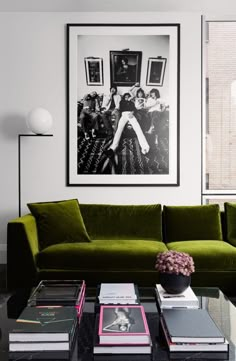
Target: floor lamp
{"points": [[39, 121]]}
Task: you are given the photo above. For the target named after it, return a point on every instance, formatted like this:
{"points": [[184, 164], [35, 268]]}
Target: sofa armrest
{"points": [[22, 248]]}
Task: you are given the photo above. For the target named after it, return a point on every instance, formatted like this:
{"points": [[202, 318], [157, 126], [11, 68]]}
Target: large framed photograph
{"points": [[94, 71], [126, 131], [156, 71], [125, 67]]}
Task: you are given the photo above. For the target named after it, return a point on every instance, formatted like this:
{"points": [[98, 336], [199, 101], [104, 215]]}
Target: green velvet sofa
{"points": [[123, 243]]}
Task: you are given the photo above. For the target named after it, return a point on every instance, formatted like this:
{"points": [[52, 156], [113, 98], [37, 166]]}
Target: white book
{"points": [[123, 349], [186, 299], [116, 290], [39, 346], [116, 301], [117, 293]]}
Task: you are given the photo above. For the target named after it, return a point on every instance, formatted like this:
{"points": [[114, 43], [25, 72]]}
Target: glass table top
{"points": [[218, 305]]}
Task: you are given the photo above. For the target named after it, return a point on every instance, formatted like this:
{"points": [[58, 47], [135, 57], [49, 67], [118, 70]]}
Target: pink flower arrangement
{"points": [[175, 262]]}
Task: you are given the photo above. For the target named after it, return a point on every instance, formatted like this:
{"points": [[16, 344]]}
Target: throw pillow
{"points": [[123, 221], [185, 223], [230, 215], [59, 222]]}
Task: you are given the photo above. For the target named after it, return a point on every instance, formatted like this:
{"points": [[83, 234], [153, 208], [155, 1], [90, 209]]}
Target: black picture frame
{"points": [[139, 36], [156, 71], [125, 67], [94, 71]]}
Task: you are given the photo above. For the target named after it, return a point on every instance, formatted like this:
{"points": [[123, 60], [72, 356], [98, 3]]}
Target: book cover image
{"points": [[122, 320], [44, 324]]}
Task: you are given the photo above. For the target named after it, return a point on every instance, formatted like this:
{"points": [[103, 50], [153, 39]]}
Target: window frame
{"points": [[210, 193]]}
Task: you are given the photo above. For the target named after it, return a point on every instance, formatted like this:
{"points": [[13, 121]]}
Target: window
{"points": [[219, 116]]}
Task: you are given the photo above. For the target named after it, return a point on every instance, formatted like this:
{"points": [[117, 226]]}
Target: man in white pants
{"points": [[127, 109]]}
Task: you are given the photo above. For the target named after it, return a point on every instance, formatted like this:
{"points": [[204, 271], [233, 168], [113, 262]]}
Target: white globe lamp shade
{"points": [[39, 120]]}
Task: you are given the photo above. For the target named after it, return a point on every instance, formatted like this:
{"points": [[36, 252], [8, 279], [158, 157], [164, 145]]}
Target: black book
{"points": [[193, 346], [191, 325], [44, 324], [122, 357], [53, 292], [39, 355], [199, 356]]}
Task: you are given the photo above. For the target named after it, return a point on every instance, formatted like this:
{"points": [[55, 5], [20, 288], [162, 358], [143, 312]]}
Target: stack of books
{"points": [[122, 330], [186, 299], [44, 329], [121, 326], [118, 293], [192, 330], [48, 324]]}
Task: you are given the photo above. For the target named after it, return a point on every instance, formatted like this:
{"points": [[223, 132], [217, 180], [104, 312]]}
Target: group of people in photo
{"points": [[134, 109]]}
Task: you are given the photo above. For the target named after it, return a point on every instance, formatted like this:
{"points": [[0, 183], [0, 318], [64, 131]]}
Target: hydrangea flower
{"points": [[175, 262]]}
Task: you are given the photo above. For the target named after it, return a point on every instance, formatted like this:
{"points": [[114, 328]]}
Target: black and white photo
{"points": [[124, 323], [124, 131]]}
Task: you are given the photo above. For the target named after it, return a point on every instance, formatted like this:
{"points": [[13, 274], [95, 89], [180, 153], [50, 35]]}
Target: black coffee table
{"points": [[218, 305]]}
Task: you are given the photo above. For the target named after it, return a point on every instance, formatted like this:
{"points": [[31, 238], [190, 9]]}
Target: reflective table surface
{"points": [[219, 306]]}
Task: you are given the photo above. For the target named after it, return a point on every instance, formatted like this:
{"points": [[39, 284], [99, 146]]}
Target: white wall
{"points": [[203, 6], [33, 73]]}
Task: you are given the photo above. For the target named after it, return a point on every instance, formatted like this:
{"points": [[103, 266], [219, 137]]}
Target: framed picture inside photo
{"points": [[126, 131], [94, 71], [125, 67], [156, 71]]}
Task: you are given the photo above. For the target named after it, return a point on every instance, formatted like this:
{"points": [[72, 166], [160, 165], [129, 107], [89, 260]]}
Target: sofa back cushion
{"points": [[104, 221], [59, 222], [184, 223], [230, 215]]}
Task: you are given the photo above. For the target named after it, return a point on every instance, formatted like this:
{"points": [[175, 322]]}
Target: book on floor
{"points": [[191, 325], [57, 292], [113, 349], [118, 293], [192, 346], [124, 324], [186, 299], [45, 324]]}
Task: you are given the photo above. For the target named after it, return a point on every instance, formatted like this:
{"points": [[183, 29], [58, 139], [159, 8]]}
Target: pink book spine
{"points": [[83, 286], [80, 305]]}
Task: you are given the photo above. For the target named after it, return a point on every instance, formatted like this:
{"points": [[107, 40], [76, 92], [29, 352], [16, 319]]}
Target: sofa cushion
{"points": [[208, 254], [230, 215], [192, 223], [102, 254], [122, 221], [59, 222]]}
